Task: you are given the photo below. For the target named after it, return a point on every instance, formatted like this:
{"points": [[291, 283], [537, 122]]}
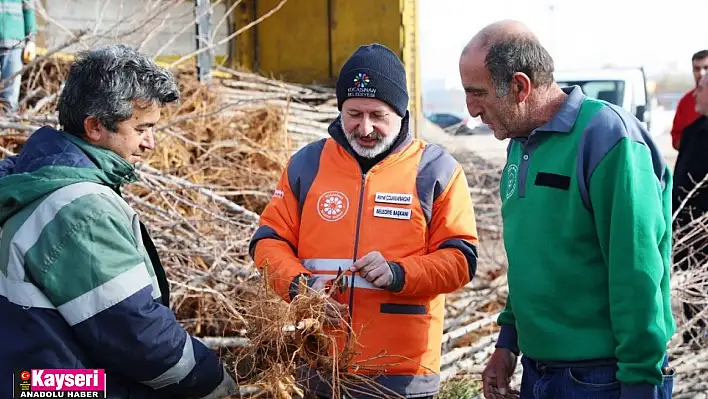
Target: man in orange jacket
{"points": [[392, 213]]}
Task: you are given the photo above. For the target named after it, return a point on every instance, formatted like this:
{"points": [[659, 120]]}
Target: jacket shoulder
{"points": [[436, 169], [687, 98], [308, 152], [76, 214], [303, 167], [73, 206], [436, 160]]}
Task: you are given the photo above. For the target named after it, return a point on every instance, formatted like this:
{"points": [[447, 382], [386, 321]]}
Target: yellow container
{"points": [[307, 41]]}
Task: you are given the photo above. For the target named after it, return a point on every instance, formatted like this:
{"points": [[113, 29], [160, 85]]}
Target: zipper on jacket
{"points": [[356, 250]]}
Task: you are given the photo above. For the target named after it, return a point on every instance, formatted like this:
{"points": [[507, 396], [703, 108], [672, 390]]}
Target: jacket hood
{"points": [[52, 159], [337, 133]]}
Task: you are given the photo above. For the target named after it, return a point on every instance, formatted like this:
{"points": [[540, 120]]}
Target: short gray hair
{"points": [[105, 82], [518, 53]]}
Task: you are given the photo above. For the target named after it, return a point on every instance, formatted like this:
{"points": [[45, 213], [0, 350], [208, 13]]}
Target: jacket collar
{"points": [[50, 147], [52, 159], [564, 120]]}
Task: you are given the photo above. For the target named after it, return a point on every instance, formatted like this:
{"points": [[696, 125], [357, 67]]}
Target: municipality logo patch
{"points": [[362, 86], [361, 80], [332, 205], [512, 173]]}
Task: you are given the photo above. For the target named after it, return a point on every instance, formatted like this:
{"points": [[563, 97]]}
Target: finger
{"points": [[337, 305], [333, 320], [365, 270], [363, 261], [333, 313], [382, 281], [488, 384], [319, 284], [371, 271], [502, 381], [513, 394], [377, 271]]}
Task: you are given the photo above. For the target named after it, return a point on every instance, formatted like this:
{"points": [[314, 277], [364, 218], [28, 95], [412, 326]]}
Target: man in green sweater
{"points": [[18, 29], [586, 206]]}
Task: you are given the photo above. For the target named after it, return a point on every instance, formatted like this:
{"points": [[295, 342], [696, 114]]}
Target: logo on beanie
{"points": [[361, 80], [361, 89]]}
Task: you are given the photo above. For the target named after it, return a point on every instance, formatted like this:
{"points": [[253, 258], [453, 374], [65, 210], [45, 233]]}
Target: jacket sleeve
{"points": [[682, 117], [97, 279], [29, 18], [7, 165], [508, 336], [273, 246], [677, 127], [632, 215], [451, 261]]}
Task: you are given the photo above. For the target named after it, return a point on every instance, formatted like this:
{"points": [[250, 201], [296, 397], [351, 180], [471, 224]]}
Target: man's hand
{"points": [[29, 52], [497, 375], [226, 389], [333, 309], [374, 268]]}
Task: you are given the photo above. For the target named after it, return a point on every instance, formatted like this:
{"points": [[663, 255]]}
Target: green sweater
{"points": [[586, 206], [17, 22]]}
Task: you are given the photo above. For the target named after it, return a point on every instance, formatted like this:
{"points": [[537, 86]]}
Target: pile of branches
{"points": [[284, 336]]}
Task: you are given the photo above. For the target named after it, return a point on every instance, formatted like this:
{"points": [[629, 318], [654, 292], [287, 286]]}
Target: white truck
{"points": [[624, 87]]}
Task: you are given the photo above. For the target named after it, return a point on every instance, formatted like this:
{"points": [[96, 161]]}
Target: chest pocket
{"points": [[552, 180], [551, 198]]}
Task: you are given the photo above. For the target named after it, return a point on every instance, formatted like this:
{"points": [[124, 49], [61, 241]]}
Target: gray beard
{"points": [[383, 144]]}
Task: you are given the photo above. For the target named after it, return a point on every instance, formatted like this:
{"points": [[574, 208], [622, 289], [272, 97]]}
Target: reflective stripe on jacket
{"points": [[415, 208]]}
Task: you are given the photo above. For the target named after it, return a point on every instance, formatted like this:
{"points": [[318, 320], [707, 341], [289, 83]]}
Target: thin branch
{"points": [[231, 36]]}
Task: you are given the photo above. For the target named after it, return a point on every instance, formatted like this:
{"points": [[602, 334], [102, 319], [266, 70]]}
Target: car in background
{"points": [[457, 125], [624, 87]]}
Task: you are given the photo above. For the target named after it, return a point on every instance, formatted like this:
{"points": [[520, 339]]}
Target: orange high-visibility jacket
{"points": [[414, 207]]}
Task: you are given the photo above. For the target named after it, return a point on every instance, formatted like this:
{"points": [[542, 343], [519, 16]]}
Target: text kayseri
{"points": [[45, 379]]}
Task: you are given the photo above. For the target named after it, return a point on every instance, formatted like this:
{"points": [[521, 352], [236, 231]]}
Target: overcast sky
{"points": [[578, 33]]}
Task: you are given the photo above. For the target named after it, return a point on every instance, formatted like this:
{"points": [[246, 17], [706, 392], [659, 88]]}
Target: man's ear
{"points": [[92, 129], [521, 85]]}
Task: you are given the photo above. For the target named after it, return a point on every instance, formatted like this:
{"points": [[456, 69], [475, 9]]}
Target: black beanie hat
{"points": [[374, 71]]}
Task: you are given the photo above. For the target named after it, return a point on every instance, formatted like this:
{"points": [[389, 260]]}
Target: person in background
{"points": [[81, 284], [18, 30], [586, 210], [691, 168], [393, 214], [686, 109]]}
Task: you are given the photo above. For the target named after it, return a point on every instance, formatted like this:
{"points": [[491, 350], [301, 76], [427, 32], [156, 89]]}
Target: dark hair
{"points": [[513, 54], [699, 55], [104, 82]]}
